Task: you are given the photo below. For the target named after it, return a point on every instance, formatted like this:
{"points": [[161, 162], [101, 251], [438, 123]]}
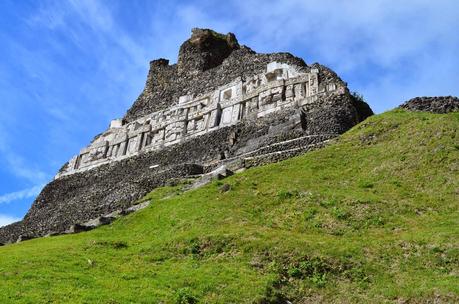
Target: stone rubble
{"points": [[438, 105]]}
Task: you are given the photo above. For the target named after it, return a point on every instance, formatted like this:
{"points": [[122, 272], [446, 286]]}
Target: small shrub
{"points": [[365, 184], [357, 274], [319, 279], [294, 272], [339, 213], [108, 244], [119, 245], [358, 96], [375, 221], [284, 195], [396, 183], [207, 246], [273, 293], [310, 214], [328, 203], [317, 225], [194, 247], [185, 296]]}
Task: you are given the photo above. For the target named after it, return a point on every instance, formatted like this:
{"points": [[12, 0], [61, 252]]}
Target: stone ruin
{"points": [[436, 104], [280, 87], [221, 106]]}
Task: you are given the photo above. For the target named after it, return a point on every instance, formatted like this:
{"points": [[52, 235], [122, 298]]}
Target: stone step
{"points": [[273, 157], [289, 145]]}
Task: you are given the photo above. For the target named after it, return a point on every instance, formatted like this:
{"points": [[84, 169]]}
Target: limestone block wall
{"points": [[280, 87]]}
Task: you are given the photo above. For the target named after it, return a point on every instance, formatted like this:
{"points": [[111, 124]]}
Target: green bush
{"points": [[185, 296]]}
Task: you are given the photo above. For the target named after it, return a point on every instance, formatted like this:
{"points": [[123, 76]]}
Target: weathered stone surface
{"points": [[222, 173], [282, 87], [229, 106], [10, 233], [439, 105], [167, 83], [219, 173], [24, 237], [135, 208], [205, 49], [99, 221], [77, 228], [224, 188], [96, 222]]}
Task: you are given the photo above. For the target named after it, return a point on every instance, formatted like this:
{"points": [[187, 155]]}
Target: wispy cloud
{"points": [[22, 194], [16, 164], [121, 60], [7, 219]]}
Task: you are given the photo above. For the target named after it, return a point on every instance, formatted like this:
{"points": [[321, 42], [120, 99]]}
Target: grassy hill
{"points": [[372, 218]]}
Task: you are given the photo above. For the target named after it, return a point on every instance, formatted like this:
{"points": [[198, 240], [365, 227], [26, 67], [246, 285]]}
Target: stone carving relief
{"points": [[281, 86]]}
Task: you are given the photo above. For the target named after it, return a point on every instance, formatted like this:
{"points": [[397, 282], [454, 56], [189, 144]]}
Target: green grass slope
{"points": [[372, 218]]}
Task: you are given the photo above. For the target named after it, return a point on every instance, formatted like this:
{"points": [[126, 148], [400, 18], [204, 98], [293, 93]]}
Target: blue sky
{"points": [[68, 67]]}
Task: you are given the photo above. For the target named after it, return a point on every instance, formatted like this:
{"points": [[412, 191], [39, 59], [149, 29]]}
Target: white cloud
{"points": [[95, 13], [17, 165], [22, 194], [119, 58], [6, 219]]}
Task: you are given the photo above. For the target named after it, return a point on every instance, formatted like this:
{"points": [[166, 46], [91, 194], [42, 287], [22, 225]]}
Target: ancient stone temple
{"points": [[281, 86], [222, 104]]}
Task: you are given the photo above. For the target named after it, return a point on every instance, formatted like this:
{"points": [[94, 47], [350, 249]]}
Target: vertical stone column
{"points": [[110, 150], [235, 114], [123, 148], [313, 82], [289, 94], [299, 91], [215, 117], [139, 142], [77, 162], [185, 121]]}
